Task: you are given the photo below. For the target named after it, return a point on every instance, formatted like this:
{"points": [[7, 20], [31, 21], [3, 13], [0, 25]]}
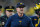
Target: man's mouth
{"points": [[21, 10]]}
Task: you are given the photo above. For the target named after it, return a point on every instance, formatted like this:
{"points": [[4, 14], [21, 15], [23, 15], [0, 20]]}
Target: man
{"points": [[1, 19], [36, 19], [19, 19], [0, 15], [0, 10], [9, 10]]}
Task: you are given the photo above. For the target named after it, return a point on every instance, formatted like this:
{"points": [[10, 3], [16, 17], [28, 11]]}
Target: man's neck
{"points": [[20, 14]]}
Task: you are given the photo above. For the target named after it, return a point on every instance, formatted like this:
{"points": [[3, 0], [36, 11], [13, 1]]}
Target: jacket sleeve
{"points": [[30, 24], [8, 22], [39, 25]]}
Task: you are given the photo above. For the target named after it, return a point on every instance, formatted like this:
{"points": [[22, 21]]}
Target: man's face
{"points": [[9, 13], [20, 10]]}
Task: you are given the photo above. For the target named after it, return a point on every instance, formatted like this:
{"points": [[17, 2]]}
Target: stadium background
{"points": [[28, 10]]}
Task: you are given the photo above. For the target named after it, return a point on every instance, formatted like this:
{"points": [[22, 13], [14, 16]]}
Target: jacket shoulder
{"points": [[33, 16], [28, 18]]}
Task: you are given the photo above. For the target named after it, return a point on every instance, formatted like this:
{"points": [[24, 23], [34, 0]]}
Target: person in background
{"points": [[9, 11], [1, 19], [0, 10], [0, 15], [36, 19]]}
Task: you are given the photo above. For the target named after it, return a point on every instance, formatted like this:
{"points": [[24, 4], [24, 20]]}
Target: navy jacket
{"points": [[35, 20], [16, 21], [39, 25]]}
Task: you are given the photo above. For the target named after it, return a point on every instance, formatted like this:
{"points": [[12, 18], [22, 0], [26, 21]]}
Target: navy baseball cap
{"points": [[20, 5]]}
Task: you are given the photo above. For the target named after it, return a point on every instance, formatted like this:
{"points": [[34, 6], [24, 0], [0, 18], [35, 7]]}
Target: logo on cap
{"points": [[20, 3]]}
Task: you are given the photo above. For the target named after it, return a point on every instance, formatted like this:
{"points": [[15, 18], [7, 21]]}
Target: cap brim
{"points": [[21, 6], [10, 10]]}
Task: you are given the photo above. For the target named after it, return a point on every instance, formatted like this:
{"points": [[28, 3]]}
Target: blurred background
{"points": [[28, 10]]}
